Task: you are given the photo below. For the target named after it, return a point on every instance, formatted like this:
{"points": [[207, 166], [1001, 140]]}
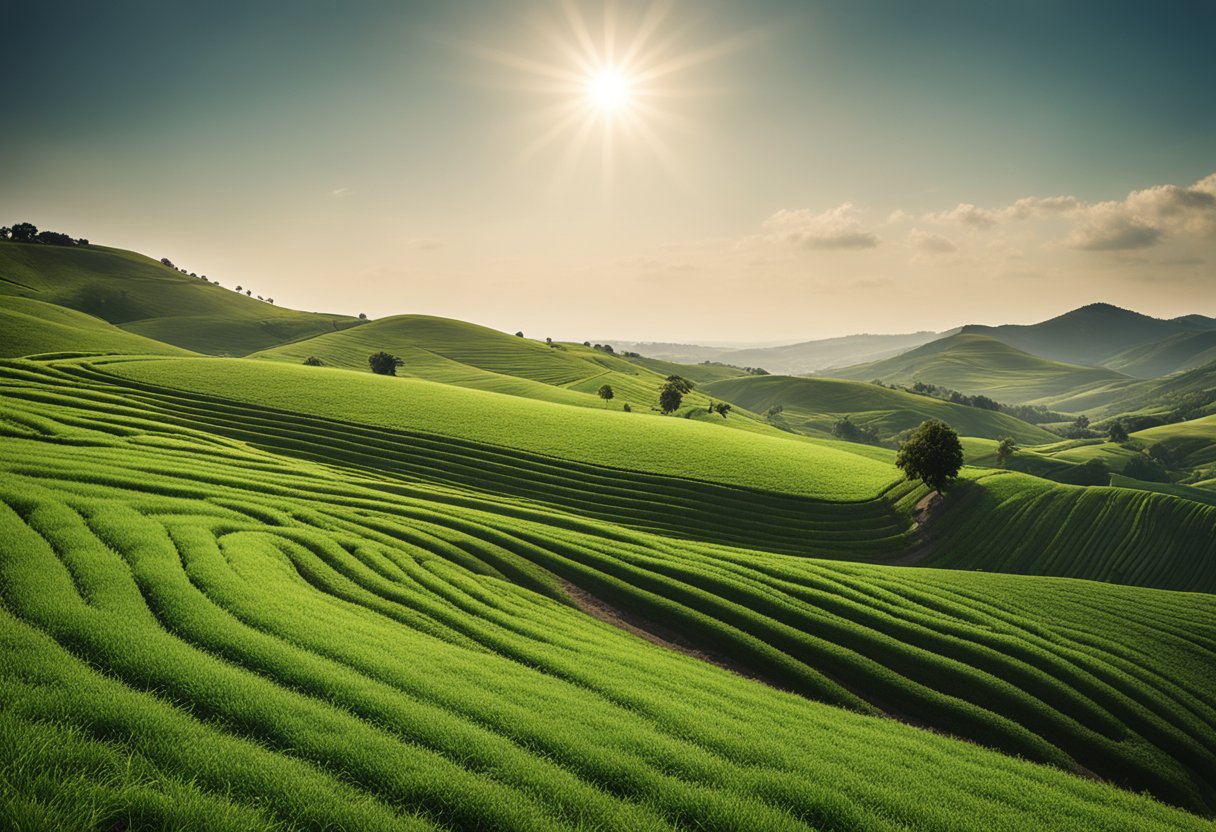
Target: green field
{"points": [[813, 405], [338, 642]]}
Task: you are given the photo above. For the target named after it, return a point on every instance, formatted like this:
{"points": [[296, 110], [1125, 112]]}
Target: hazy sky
{"points": [[772, 170]]}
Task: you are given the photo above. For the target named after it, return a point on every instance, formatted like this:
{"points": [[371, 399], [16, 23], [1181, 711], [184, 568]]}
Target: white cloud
{"points": [[1144, 218], [341, 192], [966, 214], [930, 242], [1108, 226], [1041, 206], [837, 228]]}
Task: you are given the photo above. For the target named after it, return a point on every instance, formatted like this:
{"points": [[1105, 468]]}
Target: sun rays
{"points": [[607, 85]]}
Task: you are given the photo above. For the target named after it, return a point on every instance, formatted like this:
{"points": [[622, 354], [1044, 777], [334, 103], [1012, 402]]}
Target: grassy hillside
{"points": [[980, 365], [1191, 444], [627, 441], [1149, 397], [206, 626], [1094, 334], [31, 327], [1184, 351], [464, 354], [700, 373], [144, 297], [812, 405]]}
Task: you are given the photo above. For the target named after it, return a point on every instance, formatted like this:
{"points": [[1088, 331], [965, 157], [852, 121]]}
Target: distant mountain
{"points": [[1093, 334], [664, 351], [978, 364], [824, 354], [790, 359]]}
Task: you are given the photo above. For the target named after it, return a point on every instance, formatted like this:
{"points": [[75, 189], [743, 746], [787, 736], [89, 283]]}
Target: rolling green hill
{"points": [[31, 327], [143, 296], [217, 609], [980, 365], [1096, 334], [812, 405], [1191, 444], [467, 355]]}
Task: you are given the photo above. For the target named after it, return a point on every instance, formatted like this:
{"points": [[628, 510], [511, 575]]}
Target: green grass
{"points": [[32, 327], [813, 405], [627, 441], [981, 365], [1191, 444], [199, 624], [142, 296]]}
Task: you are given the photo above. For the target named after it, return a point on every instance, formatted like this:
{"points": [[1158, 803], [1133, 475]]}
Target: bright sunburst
{"points": [[612, 81], [609, 89]]}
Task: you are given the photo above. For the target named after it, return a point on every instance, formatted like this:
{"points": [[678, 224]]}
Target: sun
{"points": [[609, 89], [617, 83]]}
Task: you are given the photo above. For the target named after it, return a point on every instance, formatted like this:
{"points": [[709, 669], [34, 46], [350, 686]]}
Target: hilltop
{"points": [[144, 296]]}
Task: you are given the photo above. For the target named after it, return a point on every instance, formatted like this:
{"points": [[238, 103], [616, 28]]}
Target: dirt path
{"points": [[923, 515], [654, 632]]}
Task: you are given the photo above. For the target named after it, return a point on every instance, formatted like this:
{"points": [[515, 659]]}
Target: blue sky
{"points": [[799, 172]]}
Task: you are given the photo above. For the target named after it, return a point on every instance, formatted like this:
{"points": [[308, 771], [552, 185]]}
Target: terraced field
{"points": [[379, 634]]}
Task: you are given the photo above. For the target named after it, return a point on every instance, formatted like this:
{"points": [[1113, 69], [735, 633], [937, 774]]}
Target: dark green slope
{"points": [[143, 296], [1183, 351], [1093, 334], [31, 327]]}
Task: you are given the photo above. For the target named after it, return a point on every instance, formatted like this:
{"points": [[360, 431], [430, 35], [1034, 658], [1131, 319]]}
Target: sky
{"points": [[714, 171]]}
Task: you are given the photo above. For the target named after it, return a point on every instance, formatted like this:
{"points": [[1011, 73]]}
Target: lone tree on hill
{"points": [[1117, 432], [313, 361], [1005, 449], [605, 392], [670, 398], [932, 455], [721, 408], [384, 363], [680, 383]]}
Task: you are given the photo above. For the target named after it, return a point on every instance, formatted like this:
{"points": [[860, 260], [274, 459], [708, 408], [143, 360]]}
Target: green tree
{"points": [[313, 361], [721, 408], [384, 363], [1005, 449], [932, 455], [1117, 432], [605, 392], [1079, 429], [680, 383], [670, 398]]}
